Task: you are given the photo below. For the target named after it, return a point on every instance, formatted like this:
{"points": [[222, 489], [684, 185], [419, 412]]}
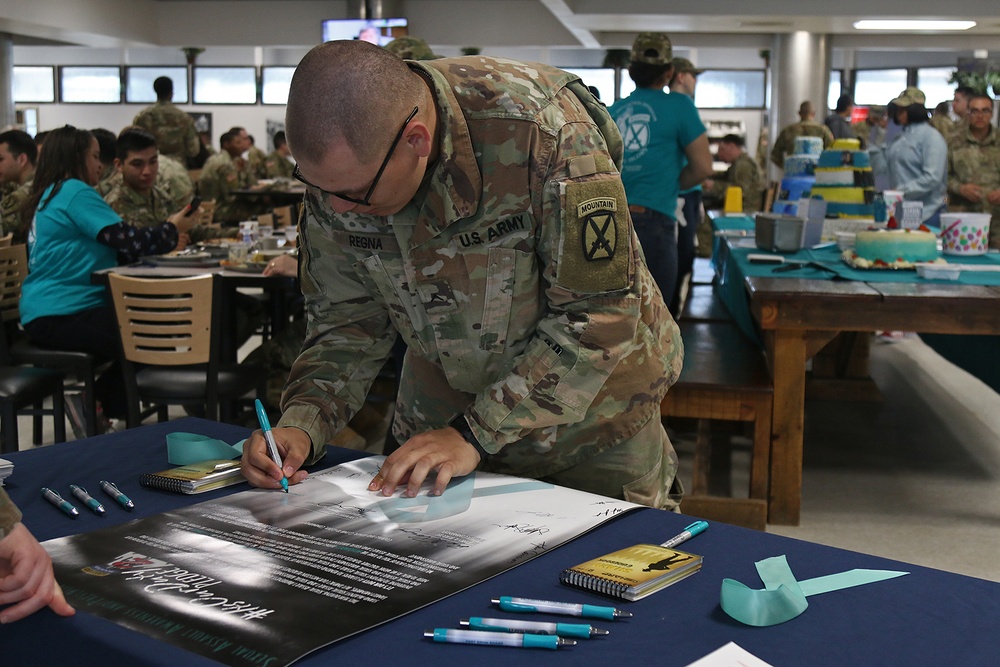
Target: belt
{"points": [[639, 209]]}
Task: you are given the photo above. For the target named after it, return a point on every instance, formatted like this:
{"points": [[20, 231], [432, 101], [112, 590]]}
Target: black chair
{"points": [[170, 349], [23, 390]]}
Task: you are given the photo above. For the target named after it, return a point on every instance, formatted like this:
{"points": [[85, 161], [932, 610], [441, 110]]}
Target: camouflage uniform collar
{"points": [[456, 176], [992, 137]]}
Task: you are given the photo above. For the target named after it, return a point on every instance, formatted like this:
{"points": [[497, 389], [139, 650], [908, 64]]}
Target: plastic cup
{"points": [[734, 200], [238, 252], [965, 234]]}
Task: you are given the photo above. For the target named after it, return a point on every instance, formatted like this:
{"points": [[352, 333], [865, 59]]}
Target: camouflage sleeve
{"points": [[956, 177], [780, 148], [591, 306], [10, 516], [348, 337], [744, 175], [211, 183], [192, 144]]}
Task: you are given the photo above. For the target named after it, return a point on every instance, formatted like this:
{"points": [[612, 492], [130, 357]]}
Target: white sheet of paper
{"points": [[730, 655]]}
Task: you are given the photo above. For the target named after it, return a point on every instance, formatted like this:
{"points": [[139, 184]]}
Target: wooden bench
{"points": [[724, 377]]}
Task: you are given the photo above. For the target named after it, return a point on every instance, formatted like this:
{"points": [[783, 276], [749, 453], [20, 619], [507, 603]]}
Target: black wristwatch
{"points": [[461, 424]]}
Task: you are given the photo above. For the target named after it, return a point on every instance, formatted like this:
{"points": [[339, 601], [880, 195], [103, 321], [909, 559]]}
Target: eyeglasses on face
{"points": [[980, 112], [366, 201]]}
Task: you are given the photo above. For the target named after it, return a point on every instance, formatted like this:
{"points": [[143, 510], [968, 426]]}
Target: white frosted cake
{"points": [[892, 249]]}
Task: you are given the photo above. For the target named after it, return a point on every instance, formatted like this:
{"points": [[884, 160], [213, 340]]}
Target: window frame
{"points": [[194, 84], [52, 80], [187, 83], [61, 78]]}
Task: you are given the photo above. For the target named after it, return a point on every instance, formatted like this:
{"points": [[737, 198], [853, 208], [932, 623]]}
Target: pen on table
{"points": [[120, 498], [272, 446], [686, 534], [59, 502], [95, 506], [582, 630], [497, 638], [508, 603]]}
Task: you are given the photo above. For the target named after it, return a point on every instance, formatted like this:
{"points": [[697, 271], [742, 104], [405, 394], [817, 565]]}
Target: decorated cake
{"points": [[798, 179], [892, 249], [845, 180]]}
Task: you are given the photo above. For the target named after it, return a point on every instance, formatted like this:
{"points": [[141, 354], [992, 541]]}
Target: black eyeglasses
{"points": [[354, 200]]}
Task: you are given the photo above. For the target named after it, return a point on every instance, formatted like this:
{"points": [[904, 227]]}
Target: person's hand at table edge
{"points": [[294, 446], [26, 579], [443, 450]]}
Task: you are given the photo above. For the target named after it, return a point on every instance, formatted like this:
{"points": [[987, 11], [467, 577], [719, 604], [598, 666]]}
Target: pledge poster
{"points": [[264, 577]]}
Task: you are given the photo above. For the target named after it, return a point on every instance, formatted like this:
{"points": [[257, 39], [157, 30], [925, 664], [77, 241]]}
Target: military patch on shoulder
{"points": [[595, 255]]}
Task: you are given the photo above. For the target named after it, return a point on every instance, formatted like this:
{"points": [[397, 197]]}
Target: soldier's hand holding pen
{"points": [[260, 470]]}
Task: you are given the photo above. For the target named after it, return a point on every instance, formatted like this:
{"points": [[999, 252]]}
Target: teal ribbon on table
{"points": [[187, 448], [783, 598]]}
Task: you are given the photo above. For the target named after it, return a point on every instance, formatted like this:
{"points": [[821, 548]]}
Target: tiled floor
{"points": [[915, 478]]}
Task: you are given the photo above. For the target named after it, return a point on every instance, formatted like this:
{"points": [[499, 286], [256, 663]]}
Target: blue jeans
{"points": [[657, 234]]}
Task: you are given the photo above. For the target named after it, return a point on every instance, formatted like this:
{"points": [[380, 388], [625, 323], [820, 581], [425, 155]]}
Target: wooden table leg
{"points": [[789, 367]]}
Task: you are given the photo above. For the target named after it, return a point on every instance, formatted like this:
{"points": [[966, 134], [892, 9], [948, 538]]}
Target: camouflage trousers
{"points": [[631, 470]]}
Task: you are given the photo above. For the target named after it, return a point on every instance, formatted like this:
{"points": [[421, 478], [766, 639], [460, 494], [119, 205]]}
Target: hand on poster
{"points": [[293, 445], [26, 578], [442, 450]]}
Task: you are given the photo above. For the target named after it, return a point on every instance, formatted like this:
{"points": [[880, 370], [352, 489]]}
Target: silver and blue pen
{"points": [[64, 505], [81, 493], [272, 446], [119, 497], [526, 605], [581, 630], [449, 636], [694, 529]]}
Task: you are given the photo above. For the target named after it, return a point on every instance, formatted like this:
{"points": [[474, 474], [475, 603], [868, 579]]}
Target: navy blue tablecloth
{"points": [[927, 618]]}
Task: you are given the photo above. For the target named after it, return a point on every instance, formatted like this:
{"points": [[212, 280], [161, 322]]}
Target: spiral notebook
{"points": [[634, 572], [196, 477]]}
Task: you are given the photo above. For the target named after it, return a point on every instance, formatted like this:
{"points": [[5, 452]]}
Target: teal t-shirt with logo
{"points": [[656, 127], [63, 251]]}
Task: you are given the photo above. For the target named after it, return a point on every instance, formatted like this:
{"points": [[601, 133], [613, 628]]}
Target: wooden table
{"points": [[798, 317]]}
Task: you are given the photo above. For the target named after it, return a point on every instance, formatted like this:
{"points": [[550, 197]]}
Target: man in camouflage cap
{"points": [[474, 206], [224, 173], [666, 151], [18, 153], [173, 129], [411, 48]]}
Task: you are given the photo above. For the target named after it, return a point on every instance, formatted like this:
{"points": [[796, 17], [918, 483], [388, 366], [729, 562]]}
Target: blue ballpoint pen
{"points": [[95, 506], [508, 603], [120, 498], [686, 534], [272, 446], [59, 502]]}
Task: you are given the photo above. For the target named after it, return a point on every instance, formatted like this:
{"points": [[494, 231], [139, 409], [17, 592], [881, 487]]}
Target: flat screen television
{"points": [[376, 31]]}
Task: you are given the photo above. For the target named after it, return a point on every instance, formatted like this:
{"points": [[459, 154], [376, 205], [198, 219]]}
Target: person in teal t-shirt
{"points": [[660, 131], [74, 233]]}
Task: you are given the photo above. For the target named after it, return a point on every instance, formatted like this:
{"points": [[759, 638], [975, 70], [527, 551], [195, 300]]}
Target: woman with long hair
{"points": [[73, 233]]}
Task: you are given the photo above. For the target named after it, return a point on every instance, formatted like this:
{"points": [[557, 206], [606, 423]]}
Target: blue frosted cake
{"points": [[845, 180], [806, 153]]}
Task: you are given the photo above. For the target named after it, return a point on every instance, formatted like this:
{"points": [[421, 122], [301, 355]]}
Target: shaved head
{"points": [[352, 91]]}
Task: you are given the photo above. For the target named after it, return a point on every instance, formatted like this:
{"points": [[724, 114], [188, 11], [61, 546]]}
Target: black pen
{"points": [[120, 498], [59, 502]]}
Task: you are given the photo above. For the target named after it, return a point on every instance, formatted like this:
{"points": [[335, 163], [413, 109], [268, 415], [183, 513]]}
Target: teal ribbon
{"points": [[187, 448], [783, 598]]}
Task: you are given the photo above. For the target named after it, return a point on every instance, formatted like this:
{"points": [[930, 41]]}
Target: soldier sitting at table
{"points": [[17, 169], [743, 172], [279, 163], [224, 173]]}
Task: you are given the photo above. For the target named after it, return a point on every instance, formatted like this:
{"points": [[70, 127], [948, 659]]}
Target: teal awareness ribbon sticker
{"points": [[783, 598], [187, 448]]}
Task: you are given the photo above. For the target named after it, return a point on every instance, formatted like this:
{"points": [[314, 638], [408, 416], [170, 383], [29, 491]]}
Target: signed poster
{"points": [[264, 577]]}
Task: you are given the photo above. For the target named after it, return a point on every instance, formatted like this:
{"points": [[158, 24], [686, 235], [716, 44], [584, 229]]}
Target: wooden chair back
{"points": [[206, 212], [284, 216], [770, 194], [164, 322], [7, 241], [13, 269]]}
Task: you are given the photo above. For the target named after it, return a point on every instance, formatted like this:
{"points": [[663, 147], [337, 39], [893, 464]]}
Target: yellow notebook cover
{"points": [[634, 572], [195, 477]]}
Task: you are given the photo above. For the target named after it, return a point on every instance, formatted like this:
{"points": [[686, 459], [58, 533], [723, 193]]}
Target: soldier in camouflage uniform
{"points": [[174, 129], [974, 165], [29, 582], [174, 179], [257, 159], [806, 127], [277, 164], [107, 141], [495, 238], [742, 173], [18, 152], [225, 172], [135, 195]]}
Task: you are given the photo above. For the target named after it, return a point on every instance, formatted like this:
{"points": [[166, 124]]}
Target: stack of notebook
{"points": [[6, 468]]}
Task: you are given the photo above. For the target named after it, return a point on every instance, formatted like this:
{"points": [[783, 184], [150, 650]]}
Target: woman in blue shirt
{"points": [[74, 233]]}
